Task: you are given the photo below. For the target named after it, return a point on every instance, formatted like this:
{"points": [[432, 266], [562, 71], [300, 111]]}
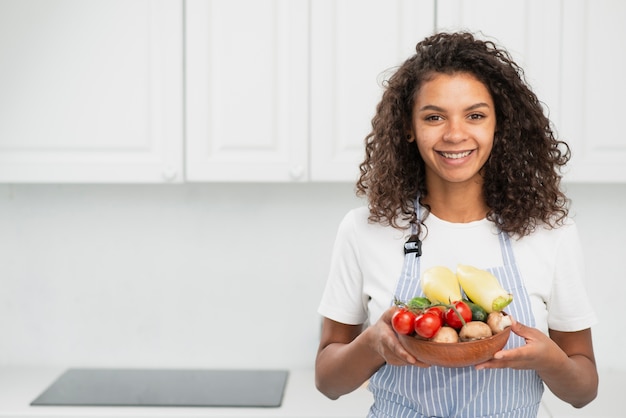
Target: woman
{"points": [[462, 156]]}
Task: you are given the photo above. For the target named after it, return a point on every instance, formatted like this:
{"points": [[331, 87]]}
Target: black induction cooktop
{"points": [[166, 387]]}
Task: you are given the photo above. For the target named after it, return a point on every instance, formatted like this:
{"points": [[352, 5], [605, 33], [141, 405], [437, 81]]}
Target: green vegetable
{"points": [[418, 302], [478, 313]]}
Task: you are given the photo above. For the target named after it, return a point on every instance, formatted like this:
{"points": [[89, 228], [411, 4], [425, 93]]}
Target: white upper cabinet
{"points": [[354, 46], [247, 71], [572, 56], [91, 91], [528, 29], [594, 88], [152, 91], [286, 90]]}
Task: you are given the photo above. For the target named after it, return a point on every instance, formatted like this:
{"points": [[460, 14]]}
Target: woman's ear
{"points": [[410, 137]]}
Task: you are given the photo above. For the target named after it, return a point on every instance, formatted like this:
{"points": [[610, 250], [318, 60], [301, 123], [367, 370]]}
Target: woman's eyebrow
{"points": [[477, 106], [431, 107], [440, 109]]}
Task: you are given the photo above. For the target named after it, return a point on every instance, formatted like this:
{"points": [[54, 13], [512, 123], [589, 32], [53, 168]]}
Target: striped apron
{"points": [[410, 391]]}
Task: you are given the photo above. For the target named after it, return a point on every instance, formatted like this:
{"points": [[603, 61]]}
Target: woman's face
{"points": [[454, 122]]}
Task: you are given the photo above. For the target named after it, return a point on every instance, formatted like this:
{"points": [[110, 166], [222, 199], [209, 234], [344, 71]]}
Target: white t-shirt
{"points": [[367, 260]]}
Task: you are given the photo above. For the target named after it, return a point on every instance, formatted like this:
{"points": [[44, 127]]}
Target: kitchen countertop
{"points": [[20, 385]]}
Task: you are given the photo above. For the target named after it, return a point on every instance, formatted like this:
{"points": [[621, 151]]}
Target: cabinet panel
{"points": [[571, 56], [91, 91], [528, 29], [247, 90], [594, 88], [354, 46]]}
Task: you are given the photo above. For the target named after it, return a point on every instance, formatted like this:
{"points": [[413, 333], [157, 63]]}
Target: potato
{"points": [[446, 335]]}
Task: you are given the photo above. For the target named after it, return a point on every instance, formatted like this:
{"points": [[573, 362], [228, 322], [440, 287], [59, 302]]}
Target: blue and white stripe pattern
{"points": [[415, 392]]}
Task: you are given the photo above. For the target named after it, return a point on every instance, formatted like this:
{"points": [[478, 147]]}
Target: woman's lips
{"points": [[455, 155]]}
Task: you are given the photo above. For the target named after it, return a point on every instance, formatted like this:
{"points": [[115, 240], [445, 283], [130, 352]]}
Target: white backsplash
{"points": [[209, 275]]}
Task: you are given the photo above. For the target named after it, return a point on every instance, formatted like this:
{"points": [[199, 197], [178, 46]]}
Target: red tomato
{"points": [[437, 310], [427, 324], [451, 317], [403, 321]]}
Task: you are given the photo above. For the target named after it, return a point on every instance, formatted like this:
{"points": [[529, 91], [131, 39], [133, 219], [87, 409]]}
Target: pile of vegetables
{"points": [[444, 315]]}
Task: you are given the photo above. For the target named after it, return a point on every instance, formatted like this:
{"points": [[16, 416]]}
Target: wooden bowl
{"points": [[459, 354]]}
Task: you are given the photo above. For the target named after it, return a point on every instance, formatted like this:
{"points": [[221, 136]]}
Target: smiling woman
{"points": [[461, 163]]}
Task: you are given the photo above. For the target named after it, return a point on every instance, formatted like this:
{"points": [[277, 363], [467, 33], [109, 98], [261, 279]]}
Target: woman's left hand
{"points": [[539, 351], [564, 360]]}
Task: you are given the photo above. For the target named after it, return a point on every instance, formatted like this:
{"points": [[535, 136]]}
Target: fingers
{"points": [[390, 347], [526, 332], [392, 350], [528, 356], [398, 356]]}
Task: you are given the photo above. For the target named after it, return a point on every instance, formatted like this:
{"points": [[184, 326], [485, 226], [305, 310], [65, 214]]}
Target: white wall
{"points": [[208, 275], [193, 275], [600, 213]]}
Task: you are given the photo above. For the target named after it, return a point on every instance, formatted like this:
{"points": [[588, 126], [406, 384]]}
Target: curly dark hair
{"points": [[521, 176]]}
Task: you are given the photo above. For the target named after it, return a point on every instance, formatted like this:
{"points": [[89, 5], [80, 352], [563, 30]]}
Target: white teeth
{"points": [[455, 155]]}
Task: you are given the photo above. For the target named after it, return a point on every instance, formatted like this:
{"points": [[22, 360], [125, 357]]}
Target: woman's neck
{"points": [[457, 203]]}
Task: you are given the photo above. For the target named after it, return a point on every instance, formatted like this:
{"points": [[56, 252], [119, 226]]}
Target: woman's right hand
{"points": [[385, 342], [348, 355]]}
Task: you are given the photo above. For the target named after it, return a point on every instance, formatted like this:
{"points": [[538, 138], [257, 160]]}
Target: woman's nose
{"points": [[455, 131]]}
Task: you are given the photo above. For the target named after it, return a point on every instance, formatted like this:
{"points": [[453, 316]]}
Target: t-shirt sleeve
{"points": [[343, 299], [569, 307]]}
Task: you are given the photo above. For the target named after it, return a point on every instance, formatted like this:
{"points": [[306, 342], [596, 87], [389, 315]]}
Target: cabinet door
{"points": [[354, 46], [246, 90], [528, 29], [91, 91], [594, 88], [571, 53]]}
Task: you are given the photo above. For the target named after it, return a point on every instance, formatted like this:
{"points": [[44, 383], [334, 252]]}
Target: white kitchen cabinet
{"points": [[272, 90], [247, 70], [528, 29], [354, 46], [570, 51], [91, 91], [286, 90], [593, 89]]}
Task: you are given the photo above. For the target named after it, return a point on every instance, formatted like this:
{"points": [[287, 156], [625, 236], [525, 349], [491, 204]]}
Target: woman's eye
{"points": [[433, 118], [476, 116]]}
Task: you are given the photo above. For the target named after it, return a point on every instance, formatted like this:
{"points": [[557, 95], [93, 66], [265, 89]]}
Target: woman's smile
{"points": [[454, 155]]}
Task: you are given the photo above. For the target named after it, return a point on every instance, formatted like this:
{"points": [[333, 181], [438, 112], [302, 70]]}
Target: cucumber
{"points": [[478, 313]]}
